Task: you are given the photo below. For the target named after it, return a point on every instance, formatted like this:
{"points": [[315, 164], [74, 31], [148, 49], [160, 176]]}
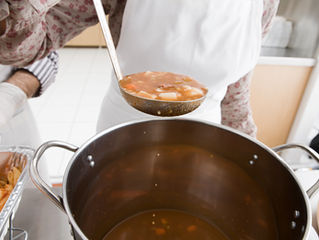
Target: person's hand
{"points": [[12, 99]]}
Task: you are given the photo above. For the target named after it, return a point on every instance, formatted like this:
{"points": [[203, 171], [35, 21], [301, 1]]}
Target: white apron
{"points": [[22, 129], [215, 42]]}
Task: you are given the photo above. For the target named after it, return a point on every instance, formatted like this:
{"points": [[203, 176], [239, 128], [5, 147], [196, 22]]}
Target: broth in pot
{"points": [[166, 225]]}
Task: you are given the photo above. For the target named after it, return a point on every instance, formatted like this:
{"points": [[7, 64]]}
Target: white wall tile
{"points": [[69, 109]]}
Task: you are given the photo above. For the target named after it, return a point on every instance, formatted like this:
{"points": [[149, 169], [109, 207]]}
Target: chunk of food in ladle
{"points": [[164, 86]]}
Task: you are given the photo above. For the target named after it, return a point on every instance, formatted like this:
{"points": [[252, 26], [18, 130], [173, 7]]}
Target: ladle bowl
{"points": [[160, 107]]}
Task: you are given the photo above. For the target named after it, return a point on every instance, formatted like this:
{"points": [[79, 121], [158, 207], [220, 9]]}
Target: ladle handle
{"points": [[108, 38], [34, 172], [314, 188]]}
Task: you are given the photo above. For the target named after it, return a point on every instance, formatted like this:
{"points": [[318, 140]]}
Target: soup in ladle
{"points": [[163, 86]]}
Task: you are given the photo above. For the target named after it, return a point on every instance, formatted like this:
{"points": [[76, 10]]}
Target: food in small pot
{"points": [[10, 171], [6, 186], [163, 86]]}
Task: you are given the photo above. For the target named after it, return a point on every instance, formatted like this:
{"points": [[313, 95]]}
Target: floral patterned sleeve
{"points": [[34, 28], [235, 107]]}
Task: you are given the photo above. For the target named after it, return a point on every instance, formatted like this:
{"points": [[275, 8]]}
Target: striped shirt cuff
{"points": [[45, 70]]}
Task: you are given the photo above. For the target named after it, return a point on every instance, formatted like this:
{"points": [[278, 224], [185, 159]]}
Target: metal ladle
{"points": [[150, 106]]}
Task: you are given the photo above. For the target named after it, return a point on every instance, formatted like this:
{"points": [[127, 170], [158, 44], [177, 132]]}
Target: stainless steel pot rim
{"points": [[229, 129]]}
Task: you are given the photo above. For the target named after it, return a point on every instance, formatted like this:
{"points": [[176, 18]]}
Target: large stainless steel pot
{"points": [[219, 174]]}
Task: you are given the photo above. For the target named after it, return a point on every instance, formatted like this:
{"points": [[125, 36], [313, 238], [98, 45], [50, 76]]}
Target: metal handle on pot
{"points": [[34, 172], [311, 191]]}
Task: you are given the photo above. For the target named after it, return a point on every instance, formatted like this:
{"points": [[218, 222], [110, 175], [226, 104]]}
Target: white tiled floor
{"points": [[68, 110]]}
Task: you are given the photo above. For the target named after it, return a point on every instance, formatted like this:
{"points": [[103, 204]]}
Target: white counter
{"points": [[287, 61]]}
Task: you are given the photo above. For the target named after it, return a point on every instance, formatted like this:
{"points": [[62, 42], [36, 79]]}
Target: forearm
{"points": [[26, 36], [37, 77], [31, 34], [26, 81], [45, 70], [22, 41], [236, 111]]}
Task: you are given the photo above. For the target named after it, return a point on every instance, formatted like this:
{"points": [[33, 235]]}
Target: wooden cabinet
{"points": [[276, 92], [91, 37]]}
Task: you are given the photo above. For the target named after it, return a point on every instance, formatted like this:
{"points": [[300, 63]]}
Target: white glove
{"points": [[12, 99]]}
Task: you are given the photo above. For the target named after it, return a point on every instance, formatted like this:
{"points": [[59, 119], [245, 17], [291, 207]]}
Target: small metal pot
{"points": [[217, 173]]}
